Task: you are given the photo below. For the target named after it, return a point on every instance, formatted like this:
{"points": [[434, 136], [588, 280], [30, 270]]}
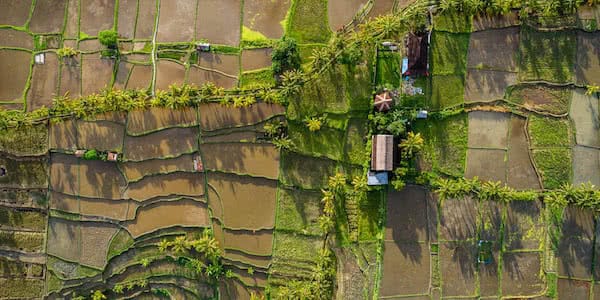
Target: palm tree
{"points": [[180, 245], [98, 295], [118, 288], [328, 201], [412, 144], [337, 182], [313, 124], [163, 245]]}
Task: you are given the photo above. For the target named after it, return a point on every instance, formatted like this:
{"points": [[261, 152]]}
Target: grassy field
{"points": [[549, 132], [453, 22], [446, 91], [554, 166], [449, 53], [258, 78], [388, 69], [307, 21]]}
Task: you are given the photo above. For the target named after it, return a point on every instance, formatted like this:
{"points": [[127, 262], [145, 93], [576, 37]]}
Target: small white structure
{"points": [[204, 47], [422, 114], [390, 45], [39, 58]]}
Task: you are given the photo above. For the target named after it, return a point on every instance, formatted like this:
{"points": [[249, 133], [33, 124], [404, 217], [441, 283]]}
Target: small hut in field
{"points": [[112, 156], [383, 101], [382, 154], [416, 50], [198, 166]]}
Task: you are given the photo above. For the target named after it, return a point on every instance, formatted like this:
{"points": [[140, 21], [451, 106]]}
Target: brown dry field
{"points": [[491, 220], [252, 242], [167, 214], [72, 22], [147, 120], [16, 39], [219, 21], [520, 274], [578, 222], [123, 70], [70, 77], [248, 203], [457, 265], [215, 204], [248, 136], [234, 289], [112, 209], [520, 173], [14, 12], [140, 77], [176, 21], [63, 135], [135, 171], [406, 269], [214, 116], [63, 202], [489, 281], [494, 49], [179, 183], [341, 12], [199, 77], [137, 57], [265, 16], [127, 15], [11, 106], [96, 15], [257, 279], [575, 249], [586, 165], [97, 74], [119, 117], [488, 129], [458, 219], [16, 70], [382, 7], [587, 66], [408, 215], [543, 98], [64, 170], [573, 289], [523, 226], [100, 135], [90, 46], [162, 144], [99, 179], [168, 73], [64, 239], [95, 239], [145, 20], [486, 85], [226, 63], [48, 16], [242, 158], [584, 113], [247, 259], [253, 59], [486, 22], [486, 164], [44, 83]]}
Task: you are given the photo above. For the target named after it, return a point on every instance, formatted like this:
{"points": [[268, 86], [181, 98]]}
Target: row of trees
{"points": [[546, 8]]}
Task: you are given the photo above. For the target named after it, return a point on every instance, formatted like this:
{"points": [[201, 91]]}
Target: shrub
{"points": [[66, 52], [108, 38], [285, 56], [91, 155]]}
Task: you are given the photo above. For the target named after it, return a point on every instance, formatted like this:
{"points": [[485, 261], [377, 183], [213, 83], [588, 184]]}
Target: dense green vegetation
{"points": [[555, 63], [554, 166], [549, 132], [307, 21]]}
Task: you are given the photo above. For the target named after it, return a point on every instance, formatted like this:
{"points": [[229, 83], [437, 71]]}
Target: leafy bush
{"points": [[91, 155], [108, 38], [285, 56], [66, 52]]}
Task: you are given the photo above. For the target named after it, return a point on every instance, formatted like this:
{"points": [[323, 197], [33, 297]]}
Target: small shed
{"points": [[417, 48], [198, 166], [383, 101], [39, 58], [377, 178], [382, 154], [203, 47], [112, 156], [3, 171], [79, 153]]}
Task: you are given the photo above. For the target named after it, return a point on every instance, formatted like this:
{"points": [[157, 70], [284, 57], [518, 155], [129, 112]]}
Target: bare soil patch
{"points": [[199, 77], [140, 77], [488, 21], [63, 135], [487, 85], [486, 164], [96, 15], [543, 98], [100, 135], [162, 144], [575, 251], [489, 280], [491, 220], [176, 21], [146, 19], [256, 279], [127, 15], [90, 46], [494, 49], [488, 129], [72, 26], [248, 259], [14, 12], [248, 203], [253, 59], [253, 242], [214, 116], [586, 165], [70, 77], [231, 137], [406, 269], [64, 171], [44, 83], [135, 171], [147, 120], [573, 289], [63, 202], [219, 21], [524, 227], [15, 38], [407, 215], [64, 239], [341, 12], [99, 179], [168, 73], [381, 7], [584, 113], [122, 74], [458, 219], [458, 268], [16, 70], [587, 66], [226, 63], [265, 16], [167, 214], [112, 209], [97, 74], [242, 158], [235, 289], [180, 183], [521, 274], [95, 239], [521, 173]]}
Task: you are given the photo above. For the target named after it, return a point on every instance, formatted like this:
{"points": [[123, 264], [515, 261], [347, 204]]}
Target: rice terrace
{"points": [[299, 149]]}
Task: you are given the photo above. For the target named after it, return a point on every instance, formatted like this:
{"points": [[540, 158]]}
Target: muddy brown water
{"points": [[226, 63], [100, 135], [587, 67], [494, 49], [123, 70], [166, 214], [16, 70], [265, 16], [248, 203], [97, 74], [523, 225], [488, 129], [140, 77], [486, 164], [199, 77], [520, 173], [70, 77], [486, 85], [64, 171], [219, 21], [382, 7], [408, 215], [253, 242], [16, 39], [145, 19], [72, 20], [176, 21], [520, 274], [489, 280], [168, 73], [96, 15], [256, 279], [95, 239], [112, 209], [248, 136], [253, 59], [242, 158], [584, 113], [406, 268], [180, 183], [216, 116], [64, 239], [48, 16], [64, 202], [573, 289], [247, 259], [135, 171], [141, 121], [44, 83], [100, 179], [586, 165], [458, 268], [127, 15], [162, 144], [14, 12], [341, 12], [458, 219]]}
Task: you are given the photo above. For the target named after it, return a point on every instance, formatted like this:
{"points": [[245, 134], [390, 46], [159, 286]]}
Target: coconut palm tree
{"points": [[98, 295], [337, 182], [164, 245], [180, 245], [313, 124], [412, 144]]}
